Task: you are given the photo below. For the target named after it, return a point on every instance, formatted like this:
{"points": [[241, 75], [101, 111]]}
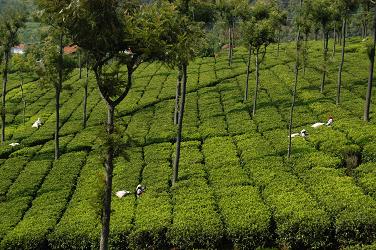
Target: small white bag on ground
{"points": [[317, 124], [294, 135], [122, 193]]}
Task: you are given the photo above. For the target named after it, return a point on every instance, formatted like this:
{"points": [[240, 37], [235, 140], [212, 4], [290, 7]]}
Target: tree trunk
{"points": [[4, 92], [295, 88], [108, 181], [370, 78], [57, 123], [177, 95], [278, 41], [325, 50], [180, 125], [248, 70], [57, 99], [334, 42], [232, 42], [84, 120], [23, 101], [342, 61], [257, 83], [305, 54], [229, 46], [79, 64]]}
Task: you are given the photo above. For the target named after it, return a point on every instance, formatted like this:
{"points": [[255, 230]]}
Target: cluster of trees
{"points": [[116, 36]]}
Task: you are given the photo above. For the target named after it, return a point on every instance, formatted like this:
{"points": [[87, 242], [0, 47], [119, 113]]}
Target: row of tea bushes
{"points": [[246, 218], [48, 206]]}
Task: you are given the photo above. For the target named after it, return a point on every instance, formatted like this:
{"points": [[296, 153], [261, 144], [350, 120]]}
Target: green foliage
{"points": [[322, 12], [369, 153], [353, 211], [193, 204], [29, 179], [12, 19], [152, 219], [247, 219], [50, 66], [260, 29], [9, 173]]}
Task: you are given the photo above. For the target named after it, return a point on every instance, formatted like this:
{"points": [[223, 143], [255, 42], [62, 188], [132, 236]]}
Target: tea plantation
{"points": [[236, 188]]}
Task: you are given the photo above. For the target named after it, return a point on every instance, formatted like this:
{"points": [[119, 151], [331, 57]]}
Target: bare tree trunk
{"points": [[342, 61], [305, 54], [79, 63], [278, 41], [180, 125], [57, 99], [4, 92], [295, 88], [57, 123], [370, 78], [325, 50], [334, 42], [257, 83], [108, 181], [177, 95], [229, 46], [23, 101], [84, 120], [248, 70]]}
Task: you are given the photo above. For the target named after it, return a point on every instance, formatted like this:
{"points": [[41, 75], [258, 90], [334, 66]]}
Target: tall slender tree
{"points": [[344, 9], [24, 66], [322, 14], [86, 85], [185, 49], [299, 20], [371, 56], [231, 11], [54, 69], [50, 14], [12, 19], [259, 31]]}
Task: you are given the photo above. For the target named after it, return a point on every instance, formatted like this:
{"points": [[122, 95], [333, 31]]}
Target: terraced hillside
{"points": [[236, 188]]}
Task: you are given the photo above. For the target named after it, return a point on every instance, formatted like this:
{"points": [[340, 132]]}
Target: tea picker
{"points": [[37, 123], [302, 133], [328, 123], [139, 190]]}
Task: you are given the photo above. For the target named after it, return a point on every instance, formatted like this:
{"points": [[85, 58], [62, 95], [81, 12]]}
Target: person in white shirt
{"points": [[37, 123], [330, 121], [139, 190], [304, 133]]}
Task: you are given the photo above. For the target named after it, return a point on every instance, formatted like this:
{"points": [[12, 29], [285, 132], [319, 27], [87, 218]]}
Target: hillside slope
{"points": [[235, 188]]}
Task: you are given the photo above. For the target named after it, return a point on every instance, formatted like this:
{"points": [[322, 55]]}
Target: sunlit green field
{"points": [[236, 187]]}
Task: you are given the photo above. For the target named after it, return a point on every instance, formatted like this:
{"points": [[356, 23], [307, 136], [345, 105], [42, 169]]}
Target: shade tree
{"points": [[259, 32], [49, 13], [322, 14], [371, 56], [23, 65], [230, 11], [343, 9], [300, 23], [13, 16]]}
